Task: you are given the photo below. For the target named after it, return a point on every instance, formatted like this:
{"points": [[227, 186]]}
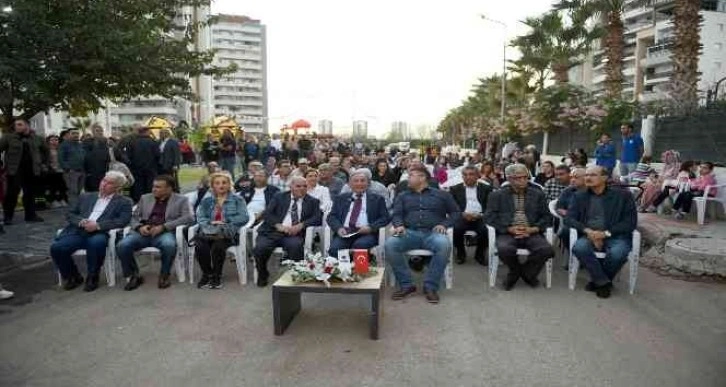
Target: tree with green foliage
{"points": [[73, 54]]}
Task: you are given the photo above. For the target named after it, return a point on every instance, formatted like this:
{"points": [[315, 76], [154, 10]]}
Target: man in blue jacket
{"points": [[605, 153], [360, 211], [605, 218]]}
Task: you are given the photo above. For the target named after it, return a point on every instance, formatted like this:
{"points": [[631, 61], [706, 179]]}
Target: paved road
{"points": [[670, 333]]}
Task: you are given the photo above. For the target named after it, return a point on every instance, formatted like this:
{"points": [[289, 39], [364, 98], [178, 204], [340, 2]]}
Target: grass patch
{"points": [[190, 176]]}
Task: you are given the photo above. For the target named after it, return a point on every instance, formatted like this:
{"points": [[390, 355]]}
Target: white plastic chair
{"points": [[448, 272], [239, 251], [109, 265], [702, 200], [181, 248], [494, 256], [633, 259]]}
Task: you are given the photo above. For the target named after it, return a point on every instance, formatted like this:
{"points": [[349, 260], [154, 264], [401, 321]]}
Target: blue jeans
{"points": [[165, 242], [62, 249], [438, 244], [363, 242], [228, 164], [603, 271]]}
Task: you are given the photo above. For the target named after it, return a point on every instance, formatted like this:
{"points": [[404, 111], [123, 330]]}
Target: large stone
{"points": [[697, 255]]}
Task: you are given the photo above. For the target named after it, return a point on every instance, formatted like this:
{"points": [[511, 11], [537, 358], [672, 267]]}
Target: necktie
{"points": [[293, 213], [357, 206]]}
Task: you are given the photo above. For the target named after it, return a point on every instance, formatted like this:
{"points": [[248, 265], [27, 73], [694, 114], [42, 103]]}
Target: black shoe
{"points": [[91, 283], [215, 282], [164, 281], [482, 260], [431, 296], [590, 287], [204, 282], [510, 281], [261, 280], [36, 219], [604, 290], [134, 282], [460, 259], [73, 282], [403, 293], [533, 282]]}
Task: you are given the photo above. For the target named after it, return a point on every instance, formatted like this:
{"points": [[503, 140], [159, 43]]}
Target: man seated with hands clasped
{"points": [[605, 217], [471, 196], [153, 223], [360, 213], [421, 215], [520, 215]]}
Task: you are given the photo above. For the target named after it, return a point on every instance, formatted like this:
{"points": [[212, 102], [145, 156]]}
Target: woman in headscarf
{"points": [[652, 187]]}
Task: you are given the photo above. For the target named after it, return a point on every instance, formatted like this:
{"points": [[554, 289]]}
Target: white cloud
{"points": [[378, 60]]}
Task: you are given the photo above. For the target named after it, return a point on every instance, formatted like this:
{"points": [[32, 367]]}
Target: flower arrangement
{"points": [[315, 267]]}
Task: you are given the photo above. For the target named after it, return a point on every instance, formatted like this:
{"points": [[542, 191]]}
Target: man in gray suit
{"points": [[154, 221], [169, 157], [89, 221]]}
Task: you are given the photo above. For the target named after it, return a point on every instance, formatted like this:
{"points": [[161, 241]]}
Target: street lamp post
{"points": [[504, 70]]}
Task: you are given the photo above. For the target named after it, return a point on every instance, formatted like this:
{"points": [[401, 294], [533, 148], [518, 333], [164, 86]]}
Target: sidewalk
{"points": [[683, 247], [25, 244]]}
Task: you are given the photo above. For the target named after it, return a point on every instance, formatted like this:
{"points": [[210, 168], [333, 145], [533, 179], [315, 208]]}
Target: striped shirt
{"points": [[520, 218]]}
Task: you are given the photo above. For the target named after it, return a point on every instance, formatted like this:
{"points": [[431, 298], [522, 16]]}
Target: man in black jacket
{"points": [[605, 217], [285, 221], [96, 159], [169, 157], [258, 195], [520, 215], [471, 196], [142, 153]]}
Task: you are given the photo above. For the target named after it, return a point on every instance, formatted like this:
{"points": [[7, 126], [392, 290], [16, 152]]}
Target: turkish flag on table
{"points": [[360, 261]]}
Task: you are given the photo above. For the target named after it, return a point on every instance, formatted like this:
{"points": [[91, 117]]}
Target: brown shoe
{"points": [[403, 293], [164, 281], [431, 296]]}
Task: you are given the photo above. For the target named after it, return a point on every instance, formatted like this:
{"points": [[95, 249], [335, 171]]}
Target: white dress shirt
{"points": [[257, 203], [323, 195], [288, 219], [162, 145], [472, 202], [100, 207], [362, 218]]}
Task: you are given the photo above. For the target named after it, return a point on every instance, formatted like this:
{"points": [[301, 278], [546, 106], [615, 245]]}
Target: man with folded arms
{"points": [[360, 211], [471, 196], [605, 218], [153, 224], [520, 215], [421, 216]]}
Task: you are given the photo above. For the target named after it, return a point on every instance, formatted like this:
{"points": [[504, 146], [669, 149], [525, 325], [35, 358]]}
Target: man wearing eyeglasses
{"points": [[605, 218], [519, 214]]}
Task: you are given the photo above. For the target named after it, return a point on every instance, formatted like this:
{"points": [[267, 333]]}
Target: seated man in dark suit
{"points": [[471, 196], [360, 211], [520, 215], [605, 217], [285, 220], [154, 223], [89, 222]]}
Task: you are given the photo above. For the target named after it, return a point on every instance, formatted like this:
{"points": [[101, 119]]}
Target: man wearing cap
{"points": [[302, 167], [360, 212], [421, 216]]}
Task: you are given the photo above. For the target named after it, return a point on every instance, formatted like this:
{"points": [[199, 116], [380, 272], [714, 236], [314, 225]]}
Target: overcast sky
{"points": [[378, 60]]}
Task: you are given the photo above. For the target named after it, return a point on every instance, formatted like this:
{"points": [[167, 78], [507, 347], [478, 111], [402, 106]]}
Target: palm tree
{"points": [[608, 12], [685, 53], [557, 41]]}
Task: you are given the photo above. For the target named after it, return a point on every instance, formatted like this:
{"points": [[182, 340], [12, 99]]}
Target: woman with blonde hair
{"points": [[220, 217]]}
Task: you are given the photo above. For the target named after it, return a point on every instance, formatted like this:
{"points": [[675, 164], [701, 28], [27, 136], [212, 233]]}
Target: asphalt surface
{"points": [[670, 333]]}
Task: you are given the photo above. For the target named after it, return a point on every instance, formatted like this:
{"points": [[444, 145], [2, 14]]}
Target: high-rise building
{"points": [[325, 127], [242, 41], [647, 61], [400, 129], [360, 130]]}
